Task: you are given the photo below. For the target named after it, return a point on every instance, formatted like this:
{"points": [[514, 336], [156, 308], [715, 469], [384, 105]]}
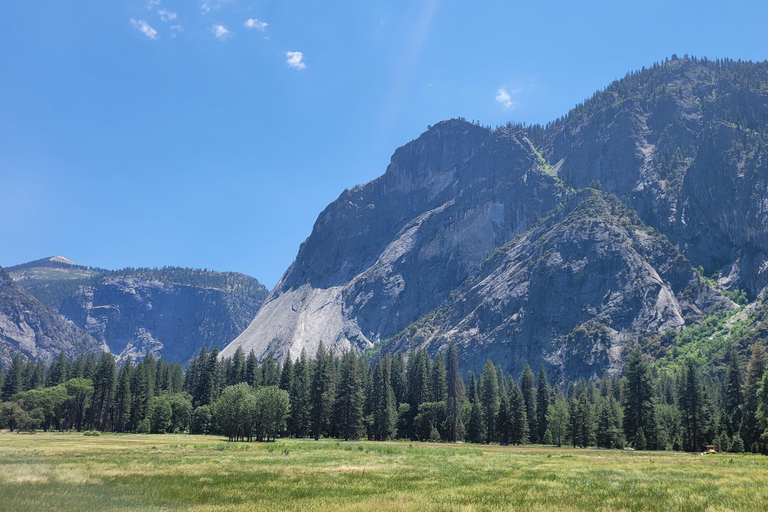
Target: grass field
{"points": [[43, 472]]}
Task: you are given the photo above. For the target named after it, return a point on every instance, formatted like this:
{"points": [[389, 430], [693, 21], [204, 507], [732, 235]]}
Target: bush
{"points": [[143, 427], [91, 433]]}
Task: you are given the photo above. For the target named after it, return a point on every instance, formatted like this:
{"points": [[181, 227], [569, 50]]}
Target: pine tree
{"points": [[518, 431], [103, 391], [383, 401], [236, 367], [734, 380], [349, 399], [529, 394], [270, 374], [439, 385], [489, 395], [542, 403], [210, 379], [14, 381], [558, 420], [252, 371], [298, 422], [286, 376], [455, 395], [691, 407], [399, 380], [323, 392], [122, 409], [503, 418], [756, 367], [639, 400], [476, 432]]}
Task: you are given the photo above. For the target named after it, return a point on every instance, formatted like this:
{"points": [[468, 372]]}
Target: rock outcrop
{"points": [[682, 144], [171, 312], [35, 331]]}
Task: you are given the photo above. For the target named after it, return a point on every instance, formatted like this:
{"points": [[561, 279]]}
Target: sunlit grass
{"points": [[177, 472]]}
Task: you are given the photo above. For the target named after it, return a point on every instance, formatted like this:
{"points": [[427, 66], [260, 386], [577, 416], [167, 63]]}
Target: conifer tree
{"points": [[476, 432], [286, 375], [489, 395], [399, 380], [349, 399], [103, 391], [252, 371], [529, 395], [270, 373], [455, 395], [383, 401], [734, 380], [518, 431], [323, 392], [298, 422], [122, 408], [236, 368], [756, 367], [542, 403], [14, 381], [439, 386], [639, 400]]}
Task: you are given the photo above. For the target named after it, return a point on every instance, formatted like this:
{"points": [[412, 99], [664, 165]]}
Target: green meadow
{"points": [[40, 472]]}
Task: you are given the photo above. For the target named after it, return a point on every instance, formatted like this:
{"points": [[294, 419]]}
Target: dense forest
{"points": [[421, 398]]}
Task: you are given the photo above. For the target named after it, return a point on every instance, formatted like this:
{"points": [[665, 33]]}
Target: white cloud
{"points": [[254, 23], [153, 3], [144, 27], [504, 97], [295, 60], [220, 31], [166, 15], [205, 7]]}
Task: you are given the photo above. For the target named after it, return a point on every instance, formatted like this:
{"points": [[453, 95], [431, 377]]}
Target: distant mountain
{"points": [[35, 331], [408, 259], [171, 312]]}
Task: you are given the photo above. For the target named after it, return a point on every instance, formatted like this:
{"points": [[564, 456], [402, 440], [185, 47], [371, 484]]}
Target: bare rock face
{"points": [[384, 254], [399, 261], [137, 315], [35, 331], [170, 312], [571, 293]]}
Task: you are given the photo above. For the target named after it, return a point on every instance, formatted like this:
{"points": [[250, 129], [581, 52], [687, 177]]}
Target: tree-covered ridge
{"points": [[51, 280], [233, 282], [421, 398]]}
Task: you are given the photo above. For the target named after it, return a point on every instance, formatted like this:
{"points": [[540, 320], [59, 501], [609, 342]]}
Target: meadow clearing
{"points": [[41, 472]]}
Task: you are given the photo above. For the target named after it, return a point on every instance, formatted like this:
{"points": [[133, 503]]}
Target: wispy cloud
{"points": [[144, 28], [152, 4], [254, 23], [504, 97], [176, 27], [166, 15], [205, 6], [295, 60], [220, 31]]}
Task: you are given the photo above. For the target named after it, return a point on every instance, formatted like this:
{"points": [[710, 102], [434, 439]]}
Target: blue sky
{"points": [[137, 133]]}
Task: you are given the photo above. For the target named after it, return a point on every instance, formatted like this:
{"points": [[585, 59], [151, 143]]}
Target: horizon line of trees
{"points": [[419, 398]]}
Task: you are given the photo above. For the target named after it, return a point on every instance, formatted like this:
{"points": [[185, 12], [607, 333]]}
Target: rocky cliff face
{"points": [[35, 331], [171, 312], [572, 292], [683, 144], [134, 315], [386, 253]]}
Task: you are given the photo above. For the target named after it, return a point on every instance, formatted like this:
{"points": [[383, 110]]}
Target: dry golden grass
{"points": [[199, 473]]}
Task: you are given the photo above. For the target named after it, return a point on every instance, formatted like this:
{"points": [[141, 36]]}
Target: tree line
{"points": [[418, 398]]}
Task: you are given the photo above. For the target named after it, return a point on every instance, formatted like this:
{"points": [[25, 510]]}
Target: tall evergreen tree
{"points": [[252, 371], [122, 409], [236, 369], [518, 430], [103, 391], [270, 373], [286, 375], [439, 386], [399, 380], [734, 380], [639, 397], [349, 399], [542, 403], [323, 392], [489, 395], [476, 432], [529, 395], [14, 381], [454, 396], [298, 421], [756, 367], [692, 408], [383, 401]]}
